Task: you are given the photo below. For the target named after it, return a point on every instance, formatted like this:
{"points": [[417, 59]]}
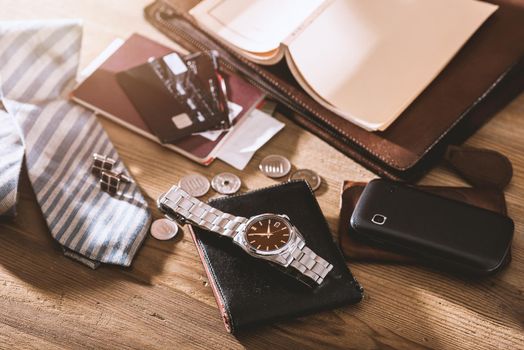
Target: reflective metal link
{"points": [[310, 264], [178, 204], [201, 214]]}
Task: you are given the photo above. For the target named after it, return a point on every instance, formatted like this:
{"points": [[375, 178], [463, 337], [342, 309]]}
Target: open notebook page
{"points": [[368, 60], [256, 26]]}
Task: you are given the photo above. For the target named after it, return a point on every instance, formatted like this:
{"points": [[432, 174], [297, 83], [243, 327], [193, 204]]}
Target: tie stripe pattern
{"points": [[11, 154], [38, 63]]}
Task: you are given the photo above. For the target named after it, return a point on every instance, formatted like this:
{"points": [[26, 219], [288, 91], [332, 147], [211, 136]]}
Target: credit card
{"points": [[205, 74], [173, 99]]}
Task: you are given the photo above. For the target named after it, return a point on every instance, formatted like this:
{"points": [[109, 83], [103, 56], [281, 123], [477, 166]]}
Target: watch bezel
{"points": [[257, 218]]}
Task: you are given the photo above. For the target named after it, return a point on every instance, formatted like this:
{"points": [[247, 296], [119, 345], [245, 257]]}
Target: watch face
{"points": [[268, 234]]}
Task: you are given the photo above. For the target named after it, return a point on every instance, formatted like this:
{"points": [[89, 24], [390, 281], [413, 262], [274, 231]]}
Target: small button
{"points": [[378, 219]]}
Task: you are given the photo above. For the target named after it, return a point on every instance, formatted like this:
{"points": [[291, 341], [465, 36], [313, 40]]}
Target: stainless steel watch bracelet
{"points": [[181, 206], [309, 263]]}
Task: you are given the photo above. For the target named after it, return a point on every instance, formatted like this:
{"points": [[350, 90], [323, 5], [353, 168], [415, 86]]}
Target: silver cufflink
{"points": [[109, 180], [101, 163]]}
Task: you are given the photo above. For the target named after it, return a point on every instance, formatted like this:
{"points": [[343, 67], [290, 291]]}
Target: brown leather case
{"points": [[486, 74], [355, 249], [480, 167]]}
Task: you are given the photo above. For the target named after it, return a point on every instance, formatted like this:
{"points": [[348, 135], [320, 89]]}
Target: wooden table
{"points": [[164, 300]]}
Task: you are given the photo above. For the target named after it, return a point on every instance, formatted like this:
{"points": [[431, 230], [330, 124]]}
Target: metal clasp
{"points": [[168, 212]]}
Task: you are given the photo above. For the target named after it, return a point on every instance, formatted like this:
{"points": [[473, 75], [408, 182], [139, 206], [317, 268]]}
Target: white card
{"points": [[248, 137], [234, 111]]}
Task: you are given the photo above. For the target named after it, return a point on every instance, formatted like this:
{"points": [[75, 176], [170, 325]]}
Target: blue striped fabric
{"points": [[11, 154], [38, 64]]}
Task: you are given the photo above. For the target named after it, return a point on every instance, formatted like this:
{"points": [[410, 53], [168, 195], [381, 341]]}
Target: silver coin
{"points": [[226, 183], [275, 166], [164, 229], [195, 184], [312, 178]]}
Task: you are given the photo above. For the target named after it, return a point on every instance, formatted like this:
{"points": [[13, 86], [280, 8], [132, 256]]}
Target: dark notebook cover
{"points": [[250, 291]]}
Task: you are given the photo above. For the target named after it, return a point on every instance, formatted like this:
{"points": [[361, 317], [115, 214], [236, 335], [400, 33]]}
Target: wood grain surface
{"points": [[164, 300]]}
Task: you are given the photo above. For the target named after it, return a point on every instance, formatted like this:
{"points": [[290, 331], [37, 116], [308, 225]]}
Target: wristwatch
{"points": [[270, 237]]}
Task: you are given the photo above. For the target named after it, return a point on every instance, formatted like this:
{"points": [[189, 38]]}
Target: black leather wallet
{"points": [[249, 291]]}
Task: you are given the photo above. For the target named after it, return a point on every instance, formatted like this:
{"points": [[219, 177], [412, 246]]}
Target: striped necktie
{"points": [[38, 64], [11, 154]]}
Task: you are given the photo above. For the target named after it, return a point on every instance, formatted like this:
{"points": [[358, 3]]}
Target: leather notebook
{"points": [[485, 75], [356, 249], [251, 292]]}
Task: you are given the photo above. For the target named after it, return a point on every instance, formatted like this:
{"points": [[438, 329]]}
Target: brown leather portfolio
{"points": [[485, 75]]}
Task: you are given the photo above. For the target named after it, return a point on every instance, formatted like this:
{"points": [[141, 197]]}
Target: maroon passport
{"points": [[102, 93]]}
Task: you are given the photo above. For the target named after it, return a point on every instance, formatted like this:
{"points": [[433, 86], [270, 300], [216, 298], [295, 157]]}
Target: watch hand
{"points": [[259, 234], [283, 228], [269, 227]]}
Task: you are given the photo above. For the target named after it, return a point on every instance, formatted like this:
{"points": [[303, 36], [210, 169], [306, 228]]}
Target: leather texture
{"points": [[480, 167], [485, 75], [359, 250], [250, 291]]}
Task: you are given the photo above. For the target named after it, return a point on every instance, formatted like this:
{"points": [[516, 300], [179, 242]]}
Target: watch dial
{"points": [[268, 234]]}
